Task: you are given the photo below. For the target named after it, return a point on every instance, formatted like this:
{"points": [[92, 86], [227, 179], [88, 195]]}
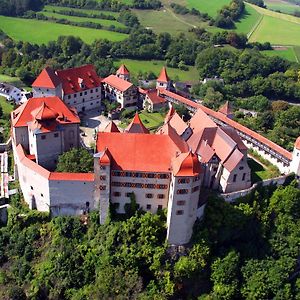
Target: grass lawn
{"points": [[277, 32], [83, 19], [155, 66], [12, 80], [282, 6], [211, 7], [23, 29], [288, 53], [53, 8], [6, 106], [152, 120], [258, 172]]}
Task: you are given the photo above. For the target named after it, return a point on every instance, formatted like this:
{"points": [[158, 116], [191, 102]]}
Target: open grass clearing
{"points": [[23, 29], [7, 107], [84, 19], [12, 80], [211, 7], [53, 8], [282, 6], [151, 120], [286, 53], [276, 31], [258, 171], [155, 66]]}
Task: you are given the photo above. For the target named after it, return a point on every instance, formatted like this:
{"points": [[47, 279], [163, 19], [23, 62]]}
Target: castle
{"points": [[170, 168]]}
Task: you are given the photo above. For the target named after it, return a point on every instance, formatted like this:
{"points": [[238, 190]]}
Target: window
{"points": [[80, 94], [102, 177], [182, 191], [196, 178], [149, 196], [128, 195], [92, 91], [75, 95], [151, 175], [69, 96], [179, 212], [71, 134], [159, 207], [241, 168], [56, 134], [148, 206], [234, 177], [102, 187], [183, 180], [87, 204], [180, 202], [42, 195], [117, 194], [160, 196], [85, 93], [102, 167], [31, 187], [244, 176], [43, 137], [96, 90]]}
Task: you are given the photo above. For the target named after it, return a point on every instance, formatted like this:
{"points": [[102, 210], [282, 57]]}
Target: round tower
{"points": [[295, 164]]}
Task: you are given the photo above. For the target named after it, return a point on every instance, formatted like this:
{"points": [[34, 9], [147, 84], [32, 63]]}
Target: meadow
{"points": [[22, 29], [83, 19], [288, 53], [211, 7], [282, 6], [155, 66]]}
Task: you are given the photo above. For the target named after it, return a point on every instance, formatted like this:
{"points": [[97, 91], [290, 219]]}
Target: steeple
{"points": [[163, 81], [123, 73], [226, 110], [136, 126]]}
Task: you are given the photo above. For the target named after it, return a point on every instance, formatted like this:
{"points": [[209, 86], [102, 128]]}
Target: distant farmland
{"points": [[22, 29]]}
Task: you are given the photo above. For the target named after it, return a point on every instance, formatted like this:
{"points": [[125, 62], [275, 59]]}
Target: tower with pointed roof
{"points": [[136, 125], [123, 73], [295, 164], [163, 81], [226, 110], [183, 198]]}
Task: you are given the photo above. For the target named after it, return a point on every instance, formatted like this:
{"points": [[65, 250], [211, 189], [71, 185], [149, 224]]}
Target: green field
{"points": [[83, 19], [211, 7], [22, 29], [277, 32], [155, 66], [282, 6], [258, 172], [52, 8], [151, 120], [7, 107], [288, 53]]}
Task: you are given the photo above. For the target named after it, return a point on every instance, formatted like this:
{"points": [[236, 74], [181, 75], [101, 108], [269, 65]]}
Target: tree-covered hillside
{"points": [[246, 250]]}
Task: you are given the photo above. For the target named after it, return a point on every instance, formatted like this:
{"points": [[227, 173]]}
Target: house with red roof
{"points": [[153, 101], [119, 88], [163, 81], [78, 87]]}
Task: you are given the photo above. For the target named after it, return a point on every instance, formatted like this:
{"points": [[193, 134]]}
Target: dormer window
{"points": [[81, 83]]}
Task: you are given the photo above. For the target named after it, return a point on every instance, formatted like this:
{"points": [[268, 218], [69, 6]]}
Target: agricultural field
{"points": [[21, 29], [286, 53], [211, 7], [282, 6], [84, 19], [155, 66]]}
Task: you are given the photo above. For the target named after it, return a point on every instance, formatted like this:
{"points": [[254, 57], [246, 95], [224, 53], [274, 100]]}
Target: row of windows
{"points": [[139, 175], [91, 103], [82, 93], [149, 196], [183, 180], [235, 177], [56, 135], [140, 185], [148, 206]]}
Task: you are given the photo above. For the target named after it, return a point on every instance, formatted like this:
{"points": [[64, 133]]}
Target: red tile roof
{"points": [[111, 127], [231, 123], [186, 164], [23, 114], [155, 98], [178, 124], [47, 79], [170, 113], [136, 125], [72, 176], [163, 76], [297, 143], [71, 79], [118, 83], [122, 70], [233, 160], [44, 112], [105, 157], [140, 152], [225, 109]]}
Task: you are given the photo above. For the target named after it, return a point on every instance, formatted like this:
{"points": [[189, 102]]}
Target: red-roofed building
{"points": [[136, 125], [226, 110], [120, 90], [46, 128], [163, 81], [153, 101], [123, 73], [79, 87]]}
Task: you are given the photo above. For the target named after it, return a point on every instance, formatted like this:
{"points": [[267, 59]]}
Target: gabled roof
{"points": [[104, 158], [154, 97], [178, 124], [226, 109], [163, 76], [201, 120], [140, 152], [136, 125], [43, 107], [71, 79], [118, 83], [47, 79], [234, 135], [170, 113], [122, 70], [111, 127], [186, 164]]}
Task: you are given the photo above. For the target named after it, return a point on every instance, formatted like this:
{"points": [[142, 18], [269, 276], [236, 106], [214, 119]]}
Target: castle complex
{"points": [[170, 168]]}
